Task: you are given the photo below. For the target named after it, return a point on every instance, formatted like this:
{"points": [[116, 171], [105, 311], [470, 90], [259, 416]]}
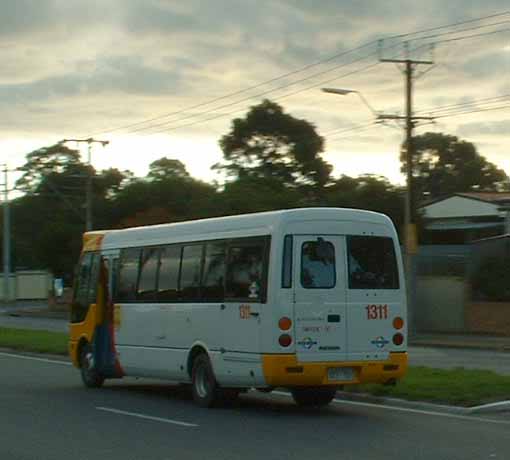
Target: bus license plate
{"points": [[341, 373]]}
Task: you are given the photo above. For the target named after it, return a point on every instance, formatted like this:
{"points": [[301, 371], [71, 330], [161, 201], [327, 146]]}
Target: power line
{"points": [[220, 115], [244, 90], [302, 69], [276, 99], [369, 126], [255, 96], [315, 85], [352, 128], [475, 102], [448, 40], [460, 31], [448, 115], [468, 21]]}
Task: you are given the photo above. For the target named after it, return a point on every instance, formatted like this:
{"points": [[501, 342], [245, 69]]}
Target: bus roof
{"points": [[256, 224]]}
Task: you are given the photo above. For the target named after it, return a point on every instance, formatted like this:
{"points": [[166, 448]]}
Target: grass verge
{"points": [[33, 340], [459, 387]]}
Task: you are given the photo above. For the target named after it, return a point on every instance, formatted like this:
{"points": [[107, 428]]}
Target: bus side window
{"points": [[94, 278], [114, 277], [287, 262], [168, 278], [190, 278], [148, 273], [246, 274], [80, 303], [213, 283], [128, 274]]}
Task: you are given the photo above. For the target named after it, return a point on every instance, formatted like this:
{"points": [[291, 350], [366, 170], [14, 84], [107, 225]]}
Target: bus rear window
{"points": [[372, 263]]}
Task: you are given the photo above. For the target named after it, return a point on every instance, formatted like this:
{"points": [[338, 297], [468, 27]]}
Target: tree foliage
{"points": [[274, 163], [53, 160], [271, 144], [444, 164], [166, 169]]}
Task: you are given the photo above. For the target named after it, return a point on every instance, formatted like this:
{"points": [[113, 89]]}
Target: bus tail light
{"points": [[285, 323], [398, 339], [398, 323], [285, 340]]}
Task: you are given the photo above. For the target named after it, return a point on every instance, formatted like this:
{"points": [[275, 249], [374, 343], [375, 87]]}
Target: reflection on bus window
{"points": [[190, 272], [245, 271], [214, 272], [81, 297], [372, 263], [148, 271], [168, 279], [318, 265], [128, 274]]}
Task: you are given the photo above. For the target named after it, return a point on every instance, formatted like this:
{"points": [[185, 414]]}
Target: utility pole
{"points": [[7, 238], [410, 238], [88, 187]]}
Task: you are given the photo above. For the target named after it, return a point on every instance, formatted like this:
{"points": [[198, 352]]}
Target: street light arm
{"points": [[344, 92], [363, 99]]}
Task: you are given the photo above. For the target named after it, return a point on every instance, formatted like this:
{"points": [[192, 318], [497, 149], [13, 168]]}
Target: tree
{"points": [[271, 144], [46, 161], [166, 168], [254, 194], [167, 194], [368, 191], [445, 164]]}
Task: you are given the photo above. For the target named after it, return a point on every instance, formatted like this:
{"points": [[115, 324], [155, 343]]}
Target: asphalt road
{"points": [[45, 413]]}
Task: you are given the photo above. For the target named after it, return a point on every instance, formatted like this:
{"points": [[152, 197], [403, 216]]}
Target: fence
{"points": [[464, 289]]}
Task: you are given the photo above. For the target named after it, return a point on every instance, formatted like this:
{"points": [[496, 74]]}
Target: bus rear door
{"points": [[320, 298]]}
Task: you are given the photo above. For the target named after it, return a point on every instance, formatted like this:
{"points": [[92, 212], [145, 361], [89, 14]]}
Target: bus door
{"points": [[319, 298], [104, 334], [375, 297]]}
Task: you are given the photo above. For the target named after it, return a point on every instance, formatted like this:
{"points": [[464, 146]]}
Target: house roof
{"points": [[491, 197], [488, 197]]}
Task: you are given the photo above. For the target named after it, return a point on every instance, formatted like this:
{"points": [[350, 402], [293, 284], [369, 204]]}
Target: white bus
{"points": [[306, 299]]}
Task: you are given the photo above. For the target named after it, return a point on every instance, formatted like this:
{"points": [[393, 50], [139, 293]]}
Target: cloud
{"points": [[82, 66], [494, 128]]}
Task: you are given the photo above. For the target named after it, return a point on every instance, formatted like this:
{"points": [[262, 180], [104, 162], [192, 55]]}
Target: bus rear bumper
{"points": [[286, 371]]}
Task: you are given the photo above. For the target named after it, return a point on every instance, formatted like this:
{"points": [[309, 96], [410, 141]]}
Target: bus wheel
{"points": [[89, 375], [313, 396], [204, 387]]}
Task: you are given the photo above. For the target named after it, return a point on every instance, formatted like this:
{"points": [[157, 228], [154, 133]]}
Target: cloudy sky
{"points": [[166, 77]]}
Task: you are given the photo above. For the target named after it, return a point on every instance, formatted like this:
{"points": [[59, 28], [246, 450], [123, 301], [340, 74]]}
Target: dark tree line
{"points": [[272, 161]]}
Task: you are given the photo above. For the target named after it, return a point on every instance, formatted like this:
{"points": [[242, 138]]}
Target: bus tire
{"points": [[204, 388], [313, 396], [89, 375]]}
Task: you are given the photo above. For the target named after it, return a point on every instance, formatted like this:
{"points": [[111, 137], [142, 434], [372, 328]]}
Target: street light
{"points": [[345, 92]]}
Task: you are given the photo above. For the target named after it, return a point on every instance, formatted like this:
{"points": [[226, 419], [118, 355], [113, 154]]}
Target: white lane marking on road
{"points": [[33, 358], [412, 411], [146, 417]]}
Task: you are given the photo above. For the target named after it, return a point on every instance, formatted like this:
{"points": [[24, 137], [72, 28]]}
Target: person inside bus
{"points": [[318, 264]]}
